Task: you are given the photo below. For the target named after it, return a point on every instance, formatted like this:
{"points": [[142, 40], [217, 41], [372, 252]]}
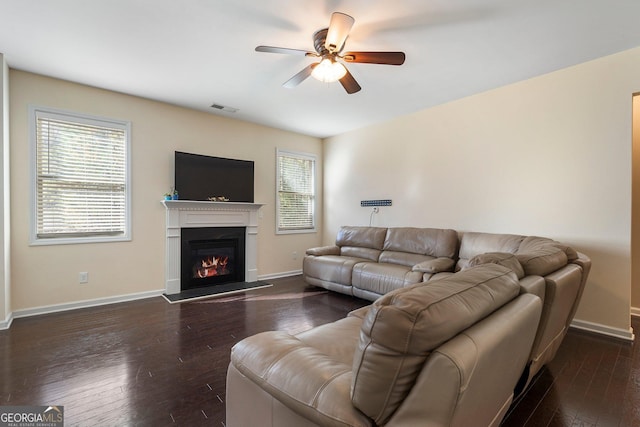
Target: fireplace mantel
{"points": [[190, 214]]}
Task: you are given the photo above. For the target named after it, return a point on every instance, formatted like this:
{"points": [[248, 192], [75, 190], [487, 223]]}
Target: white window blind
{"points": [[81, 177], [296, 192]]}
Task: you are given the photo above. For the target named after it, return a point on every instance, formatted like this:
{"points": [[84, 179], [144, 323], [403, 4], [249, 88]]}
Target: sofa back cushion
{"points": [[361, 242], [432, 242], [503, 258], [472, 244], [541, 256], [402, 327]]}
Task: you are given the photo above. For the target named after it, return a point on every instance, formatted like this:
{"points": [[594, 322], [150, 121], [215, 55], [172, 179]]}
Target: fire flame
{"points": [[211, 266]]}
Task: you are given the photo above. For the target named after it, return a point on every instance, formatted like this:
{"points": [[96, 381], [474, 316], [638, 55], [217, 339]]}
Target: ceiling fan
{"points": [[329, 43]]}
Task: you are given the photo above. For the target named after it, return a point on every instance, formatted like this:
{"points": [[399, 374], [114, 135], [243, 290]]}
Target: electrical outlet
{"points": [[294, 255], [83, 277]]}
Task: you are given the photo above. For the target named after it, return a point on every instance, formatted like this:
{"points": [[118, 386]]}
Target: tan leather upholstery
{"points": [[501, 258], [553, 271], [472, 244], [461, 334], [363, 237], [404, 326], [331, 267], [541, 257], [562, 270], [372, 261], [433, 242]]}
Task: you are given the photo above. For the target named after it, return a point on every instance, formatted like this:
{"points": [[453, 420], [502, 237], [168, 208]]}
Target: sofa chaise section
{"points": [[419, 355]]}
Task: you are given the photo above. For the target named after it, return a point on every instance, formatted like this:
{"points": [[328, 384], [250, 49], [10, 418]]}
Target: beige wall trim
{"points": [[635, 311], [280, 275], [6, 324], [603, 330], [84, 304]]}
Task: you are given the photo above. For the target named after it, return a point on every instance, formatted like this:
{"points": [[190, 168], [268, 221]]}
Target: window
{"points": [[295, 207], [80, 172]]}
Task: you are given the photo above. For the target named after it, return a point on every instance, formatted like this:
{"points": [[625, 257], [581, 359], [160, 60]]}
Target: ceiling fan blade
{"points": [[349, 83], [387, 58], [339, 28], [300, 77], [287, 51]]}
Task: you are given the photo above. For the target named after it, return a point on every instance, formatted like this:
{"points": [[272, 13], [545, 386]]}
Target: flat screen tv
{"points": [[199, 177]]}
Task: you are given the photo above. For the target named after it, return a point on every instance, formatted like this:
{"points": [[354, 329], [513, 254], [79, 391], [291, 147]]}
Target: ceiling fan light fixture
{"points": [[329, 71]]}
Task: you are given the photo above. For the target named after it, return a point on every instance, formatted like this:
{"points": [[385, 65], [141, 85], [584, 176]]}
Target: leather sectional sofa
{"points": [[368, 262], [443, 353], [466, 377]]}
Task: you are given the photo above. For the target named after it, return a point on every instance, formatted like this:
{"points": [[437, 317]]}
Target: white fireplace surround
{"points": [[191, 214]]}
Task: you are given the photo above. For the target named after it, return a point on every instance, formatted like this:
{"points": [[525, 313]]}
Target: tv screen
{"points": [[199, 177]]}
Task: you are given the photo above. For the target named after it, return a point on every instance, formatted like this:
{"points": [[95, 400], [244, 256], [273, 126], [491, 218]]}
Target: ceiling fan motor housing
{"points": [[319, 38]]}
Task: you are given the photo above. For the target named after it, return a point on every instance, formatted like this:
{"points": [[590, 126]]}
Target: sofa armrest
{"points": [[324, 250], [436, 265], [301, 377], [360, 313], [534, 285], [584, 262]]}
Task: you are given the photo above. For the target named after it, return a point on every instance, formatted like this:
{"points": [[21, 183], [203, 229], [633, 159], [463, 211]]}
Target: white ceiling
{"points": [[195, 53]]}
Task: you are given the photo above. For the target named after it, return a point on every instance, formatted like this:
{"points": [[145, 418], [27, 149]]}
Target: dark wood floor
{"points": [[149, 363]]}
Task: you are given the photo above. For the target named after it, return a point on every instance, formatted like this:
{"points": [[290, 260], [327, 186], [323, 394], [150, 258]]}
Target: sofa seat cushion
{"points": [[407, 259], [331, 268], [338, 339], [402, 327], [382, 278], [303, 378]]}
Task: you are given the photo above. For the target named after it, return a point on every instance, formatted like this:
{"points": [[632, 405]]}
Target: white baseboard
{"points": [[6, 324], [280, 275], [84, 304], [597, 328]]}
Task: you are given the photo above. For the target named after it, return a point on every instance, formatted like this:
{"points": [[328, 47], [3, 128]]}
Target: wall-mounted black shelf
{"points": [[370, 203]]}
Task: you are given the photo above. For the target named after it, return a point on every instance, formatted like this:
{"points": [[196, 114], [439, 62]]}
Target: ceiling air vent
{"points": [[224, 108]]}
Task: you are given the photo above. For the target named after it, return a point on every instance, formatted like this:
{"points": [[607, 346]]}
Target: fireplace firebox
{"points": [[212, 256]]}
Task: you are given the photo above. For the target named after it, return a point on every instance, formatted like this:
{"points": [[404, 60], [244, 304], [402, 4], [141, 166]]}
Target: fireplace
{"points": [[212, 256], [184, 215]]}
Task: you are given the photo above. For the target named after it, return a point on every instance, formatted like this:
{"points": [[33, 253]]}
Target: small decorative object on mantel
{"points": [[172, 195], [217, 199]]}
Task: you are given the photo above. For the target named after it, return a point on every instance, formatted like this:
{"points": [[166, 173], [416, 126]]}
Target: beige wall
{"points": [[635, 211], [549, 156], [5, 279], [47, 275]]}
